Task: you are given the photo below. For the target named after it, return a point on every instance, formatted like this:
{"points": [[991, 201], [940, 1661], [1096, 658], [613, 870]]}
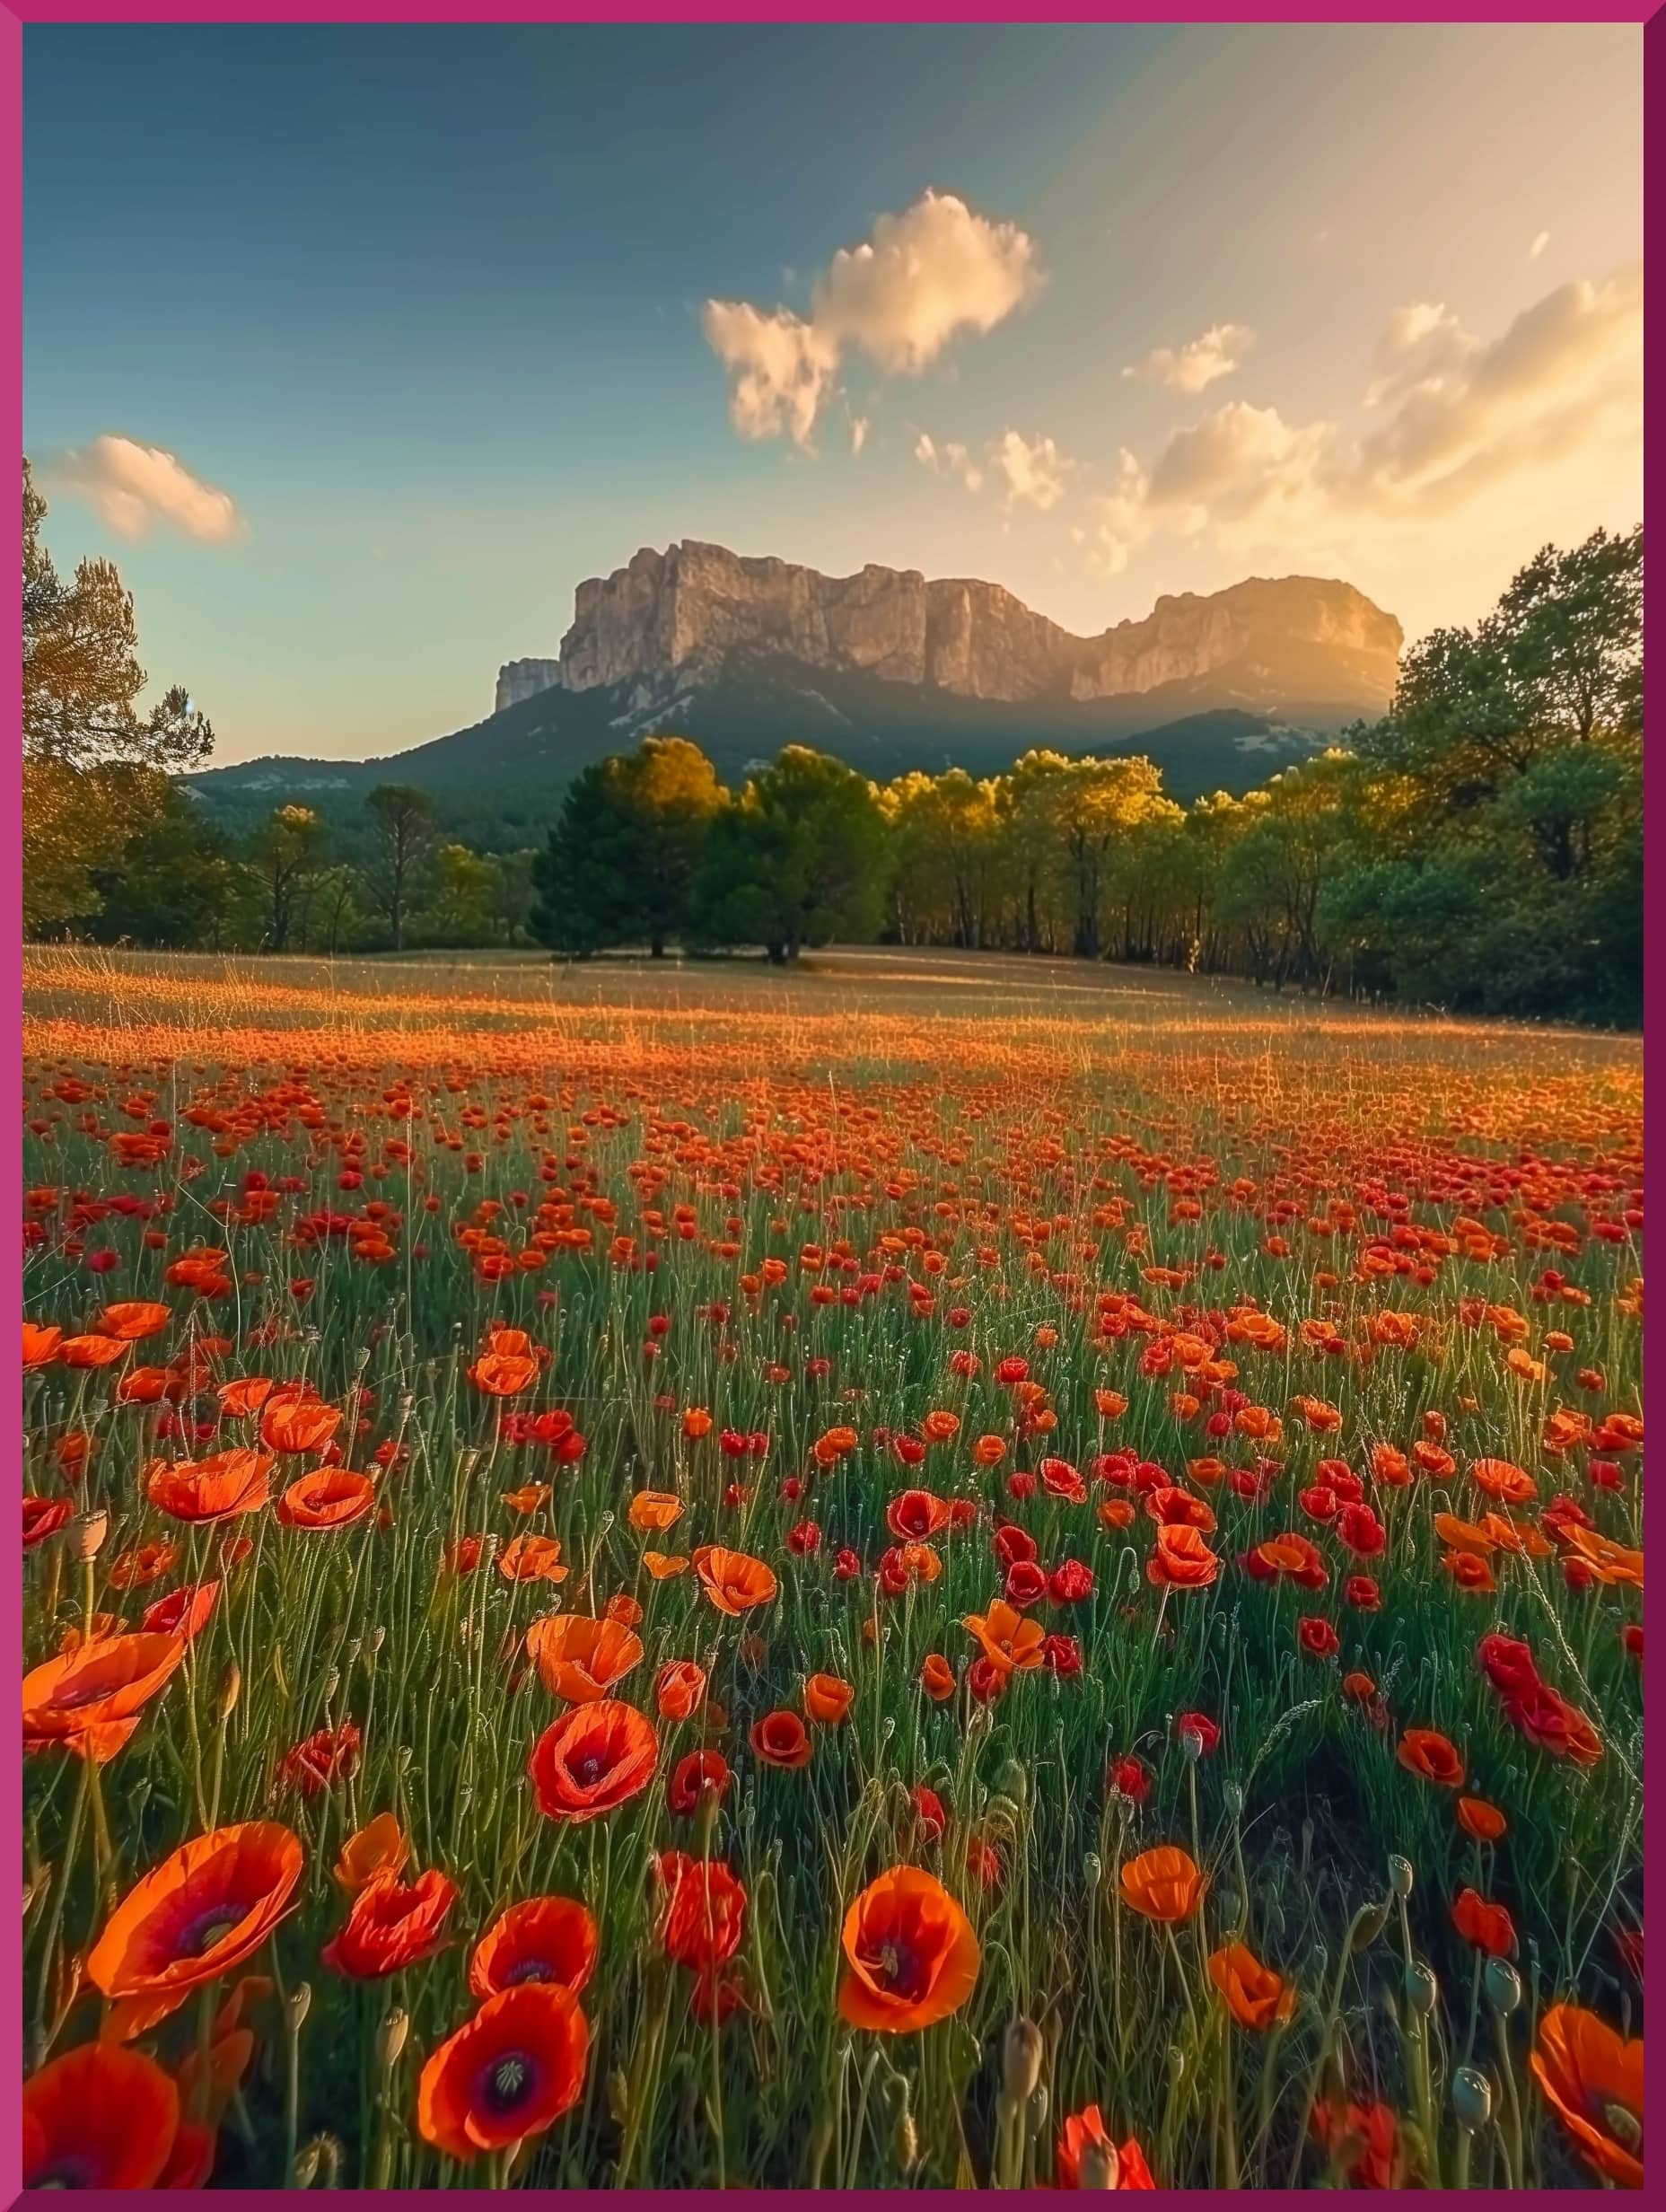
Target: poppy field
{"points": [[918, 1574]]}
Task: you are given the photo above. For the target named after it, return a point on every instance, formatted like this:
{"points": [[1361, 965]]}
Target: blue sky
{"points": [[431, 309]]}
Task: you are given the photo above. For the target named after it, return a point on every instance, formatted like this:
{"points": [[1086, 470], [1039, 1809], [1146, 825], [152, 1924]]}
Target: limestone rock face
{"points": [[692, 608], [523, 679]]}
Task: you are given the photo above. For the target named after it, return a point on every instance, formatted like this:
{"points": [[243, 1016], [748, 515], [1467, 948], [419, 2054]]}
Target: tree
{"points": [[174, 883], [465, 889], [288, 853], [800, 858], [94, 770], [404, 827], [622, 860], [1506, 779]]}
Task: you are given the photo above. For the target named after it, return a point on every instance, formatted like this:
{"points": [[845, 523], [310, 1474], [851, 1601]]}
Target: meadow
{"points": [[933, 1571]]}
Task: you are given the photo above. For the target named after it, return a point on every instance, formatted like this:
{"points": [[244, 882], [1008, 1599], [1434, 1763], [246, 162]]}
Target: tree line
{"points": [[1479, 846]]}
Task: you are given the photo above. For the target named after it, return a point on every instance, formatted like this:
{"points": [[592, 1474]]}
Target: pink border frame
{"points": [[13, 15]]}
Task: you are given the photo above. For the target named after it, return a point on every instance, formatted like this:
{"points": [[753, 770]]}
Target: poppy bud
{"points": [[307, 2163], [1504, 1986], [390, 2040], [87, 1533], [1368, 1927], [230, 1690], [1400, 1876], [1021, 2052], [1233, 1798], [905, 2141], [618, 2095], [1421, 1987], [1472, 2099], [1097, 2167], [299, 2004]]}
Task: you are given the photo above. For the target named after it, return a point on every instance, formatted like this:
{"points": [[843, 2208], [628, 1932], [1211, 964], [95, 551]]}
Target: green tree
{"points": [[174, 883], [94, 768], [288, 857], [622, 860], [465, 889], [800, 858], [403, 831]]}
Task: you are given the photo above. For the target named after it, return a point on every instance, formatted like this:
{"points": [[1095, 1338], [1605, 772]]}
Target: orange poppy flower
{"points": [[41, 1345], [218, 1488], [1435, 1757], [1255, 1996], [593, 1760], [988, 1451], [1469, 1571], [937, 1678], [329, 1497], [1484, 1822], [99, 2118], [1182, 1560], [379, 1848], [580, 1659], [1011, 1643], [939, 1426], [734, 1580], [392, 1924], [652, 1512], [144, 1564], [1503, 1480], [679, 1688], [912, 1953], [92, 1350], [531, 1558], [1593, 2080], [509, 2073], [1163, 1884], [89, 1699], [704, 1912], [664, 1565], [528, 1498], [1609, 1562], [549, 1939], [295, 1424], [827, 1699], [209, 1906], [134, 1318], [503, 1374], [781, 1739], [247, 1394]]}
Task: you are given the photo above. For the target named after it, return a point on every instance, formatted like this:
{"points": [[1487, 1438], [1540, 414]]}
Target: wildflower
{"points": [[391, 1924], [593, 1760], [1593, 2080], [1254, 1995], [551, 1939], [1162, 1884], [912, 1955], [509, 2073]]}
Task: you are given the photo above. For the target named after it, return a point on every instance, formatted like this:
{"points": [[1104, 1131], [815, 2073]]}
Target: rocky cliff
{"points": [[523, 679], [689, 610]]}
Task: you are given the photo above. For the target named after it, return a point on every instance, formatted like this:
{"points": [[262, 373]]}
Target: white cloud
{"points": [[130, 487], [1538, 245], [949, 459], [1454, 416], [922, 278], [1193, 367], [1034, 469], [784, 368]]}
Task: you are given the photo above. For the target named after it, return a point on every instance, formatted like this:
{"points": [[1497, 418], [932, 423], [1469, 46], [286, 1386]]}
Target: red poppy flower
{"points": [[509, 2073], [545, 1939], [593, 1760]]}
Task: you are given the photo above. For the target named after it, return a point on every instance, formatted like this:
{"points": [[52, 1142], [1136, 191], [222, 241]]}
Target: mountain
{"points": [[887, 671], [693, 607]]}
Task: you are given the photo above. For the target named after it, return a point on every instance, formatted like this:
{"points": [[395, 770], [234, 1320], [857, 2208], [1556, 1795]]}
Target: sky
{"points": [[358, 349]]}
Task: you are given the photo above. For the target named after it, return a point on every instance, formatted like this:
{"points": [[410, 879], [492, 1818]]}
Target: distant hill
{"points": [[884, 669], [501, 780]]}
